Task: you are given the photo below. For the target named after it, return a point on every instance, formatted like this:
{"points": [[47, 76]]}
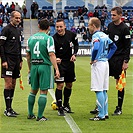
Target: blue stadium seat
{"points": [[49, 8], [66, 20], [81, 43], [77, 7], [72, 8], [67, 8], [86, 43], [44, 8], [52, 30]]}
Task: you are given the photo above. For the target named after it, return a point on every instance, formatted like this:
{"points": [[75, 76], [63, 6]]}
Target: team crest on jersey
{"points": [[116, 38]]}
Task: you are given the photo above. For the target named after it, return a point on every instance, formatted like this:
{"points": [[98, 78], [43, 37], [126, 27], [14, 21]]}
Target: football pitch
{"points": [[82, 101]]}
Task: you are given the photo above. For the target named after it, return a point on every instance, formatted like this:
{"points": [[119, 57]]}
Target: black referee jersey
{"points": [[64, 45], [121, 36], [10, 44]]}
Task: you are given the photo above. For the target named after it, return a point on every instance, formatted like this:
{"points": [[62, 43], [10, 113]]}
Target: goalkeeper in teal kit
{"points": [[40, 57]]}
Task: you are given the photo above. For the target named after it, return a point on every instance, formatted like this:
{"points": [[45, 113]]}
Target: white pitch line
{"points": [[74, 127]]}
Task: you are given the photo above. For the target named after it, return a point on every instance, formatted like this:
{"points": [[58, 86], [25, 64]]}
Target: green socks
{"points": [[31, 101], [41, 104]]}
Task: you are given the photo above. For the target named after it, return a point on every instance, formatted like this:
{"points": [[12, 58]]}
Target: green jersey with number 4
{"points": [[39, 46]]}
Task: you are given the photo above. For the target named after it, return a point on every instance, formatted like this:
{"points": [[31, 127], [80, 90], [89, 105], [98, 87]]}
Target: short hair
{"points": [[13, 12], [118, 9], [60, 20], [96, 21], [44, 24]]}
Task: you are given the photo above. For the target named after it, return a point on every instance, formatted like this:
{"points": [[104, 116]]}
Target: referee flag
{"points": [[21, 82], [122, 82]]}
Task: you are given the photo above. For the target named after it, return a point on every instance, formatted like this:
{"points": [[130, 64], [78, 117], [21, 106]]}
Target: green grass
{"points": [[82, 101]]}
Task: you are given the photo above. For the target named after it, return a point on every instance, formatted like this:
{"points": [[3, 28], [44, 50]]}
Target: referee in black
{"points": [[11, 59], [66, 48], [119, 32]]}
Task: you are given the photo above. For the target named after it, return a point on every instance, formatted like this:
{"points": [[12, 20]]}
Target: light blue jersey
{"points": [[100, 46]]}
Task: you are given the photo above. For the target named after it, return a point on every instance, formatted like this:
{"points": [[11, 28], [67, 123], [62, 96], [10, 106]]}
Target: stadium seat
{"points": [[49, 8], [72, 8], [80, 43], [66, 20], [44, 8], [67, 8], [86, 43], [77, 7]]}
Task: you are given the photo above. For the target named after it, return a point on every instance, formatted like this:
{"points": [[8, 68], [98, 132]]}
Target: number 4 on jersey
{"points": [[36, 49]]}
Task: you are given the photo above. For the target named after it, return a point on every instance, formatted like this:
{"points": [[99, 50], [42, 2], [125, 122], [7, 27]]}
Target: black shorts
{"points": [[13, 68], [115, 66], [67, 72]]}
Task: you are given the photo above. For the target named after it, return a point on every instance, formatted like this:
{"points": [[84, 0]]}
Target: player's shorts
{"points": [[13, 68], [67, 72], [115, 66], [41, 77], [100, 76]]}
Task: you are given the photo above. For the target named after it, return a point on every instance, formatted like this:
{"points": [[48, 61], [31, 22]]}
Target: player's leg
{"points": [[16, 74], [41, 105], [69, 78], [33, 92], [106, 87], [120, 95], [58, 95], [118, 110], [58, 91], [31, 102], [67, 95], [105, 104], [100, 103], [45, 78], [8, 97], [97, 84], [7, 74]]}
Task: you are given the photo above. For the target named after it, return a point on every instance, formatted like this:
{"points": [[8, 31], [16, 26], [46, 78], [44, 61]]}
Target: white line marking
{"points": [[74, 127]]}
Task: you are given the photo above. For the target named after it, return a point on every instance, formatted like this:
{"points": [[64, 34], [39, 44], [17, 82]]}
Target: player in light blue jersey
{"points": [[102, 50]]}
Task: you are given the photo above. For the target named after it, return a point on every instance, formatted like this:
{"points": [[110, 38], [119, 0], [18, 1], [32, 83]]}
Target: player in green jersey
{"points": [[40, 57]]}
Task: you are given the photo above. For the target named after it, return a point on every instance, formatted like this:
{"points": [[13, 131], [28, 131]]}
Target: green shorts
{"points": [[41, 77]]}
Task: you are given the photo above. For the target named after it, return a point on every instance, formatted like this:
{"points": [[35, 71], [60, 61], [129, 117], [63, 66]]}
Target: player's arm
{"points": [[76, 45], [127, 45], [95, 50], [51, 50], [28, 56], [54, 63], [3, 39], [112, 50]]}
